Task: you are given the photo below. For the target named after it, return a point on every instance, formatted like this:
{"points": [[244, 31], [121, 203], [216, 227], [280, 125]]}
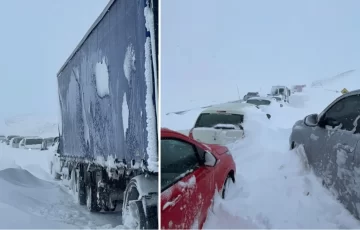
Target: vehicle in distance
{"points": [[47, 142], [191, 172], [329, 143], [16, 141], [31, 143], [281, 91], [8, 138], [251, 94], [221, 124], [263, 101]]}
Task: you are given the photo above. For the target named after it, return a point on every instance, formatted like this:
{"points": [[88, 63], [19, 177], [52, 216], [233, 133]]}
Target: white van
{"points": [[31, 143], [221, 124]]}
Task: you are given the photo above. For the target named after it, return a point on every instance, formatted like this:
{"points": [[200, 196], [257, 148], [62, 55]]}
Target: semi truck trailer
{"points": [[107, 150]]}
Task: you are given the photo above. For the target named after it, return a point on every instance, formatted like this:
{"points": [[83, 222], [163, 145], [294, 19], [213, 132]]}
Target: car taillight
{"points": [[190, 133]]}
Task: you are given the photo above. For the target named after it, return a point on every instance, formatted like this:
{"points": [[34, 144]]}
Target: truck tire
{"points": [[133, 206], [91, 195], [78, 186]]}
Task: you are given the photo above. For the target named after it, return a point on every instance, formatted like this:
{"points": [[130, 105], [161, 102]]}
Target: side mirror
{"points": [[268, 116], [311, 120], [210, 159]]}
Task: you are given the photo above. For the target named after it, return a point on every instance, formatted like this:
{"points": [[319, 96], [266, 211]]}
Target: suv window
{"points": [[209, 120], [345, 111], [177, 157], [258, 102]]}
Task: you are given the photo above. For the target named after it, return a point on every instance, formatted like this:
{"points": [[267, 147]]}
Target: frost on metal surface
{"points": [[189, 184], [102, 78], [129, 62], [150, 26], [314, 137], [125, 114], [150, 111]]}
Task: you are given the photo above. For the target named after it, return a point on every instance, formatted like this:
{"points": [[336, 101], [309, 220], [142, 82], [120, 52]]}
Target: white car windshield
{"points": [[209, 120]]}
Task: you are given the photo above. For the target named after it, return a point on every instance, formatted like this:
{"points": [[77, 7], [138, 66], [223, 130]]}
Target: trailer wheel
{"points": [[78, 185], [133, 213], [91, 195]]}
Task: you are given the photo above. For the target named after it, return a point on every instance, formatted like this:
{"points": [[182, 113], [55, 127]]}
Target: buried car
{"points": [[31, 143], [8, 138], [329, 143], [221, 124], [191, 172], [251, 95], [16, 141]]}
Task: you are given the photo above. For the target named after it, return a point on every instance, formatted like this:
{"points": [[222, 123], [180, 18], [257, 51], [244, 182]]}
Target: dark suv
{"points": [[250, 95]]}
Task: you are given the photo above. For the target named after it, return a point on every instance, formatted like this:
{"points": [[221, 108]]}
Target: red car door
{"points": [[186, 203], [188, 196]]}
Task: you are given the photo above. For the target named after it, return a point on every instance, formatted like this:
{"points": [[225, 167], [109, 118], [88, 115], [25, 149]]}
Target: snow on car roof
{"points": [[261, 98], [235, 108]]}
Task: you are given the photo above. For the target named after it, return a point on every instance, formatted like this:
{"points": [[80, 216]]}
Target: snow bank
{"points": [[29, 194], [102, 78], [269, 175], [180, 122]]}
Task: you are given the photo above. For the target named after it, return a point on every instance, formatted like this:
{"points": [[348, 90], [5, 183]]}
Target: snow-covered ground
{"points": [[30, 198], [273, 188]]}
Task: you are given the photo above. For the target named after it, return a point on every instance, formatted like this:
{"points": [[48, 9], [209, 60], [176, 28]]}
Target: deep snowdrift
{"points": [[273, 188], [30, 198]]}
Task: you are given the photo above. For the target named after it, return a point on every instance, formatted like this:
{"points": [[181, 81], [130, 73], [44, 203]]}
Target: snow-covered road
{"points": [[273, 188], [29, 198]]}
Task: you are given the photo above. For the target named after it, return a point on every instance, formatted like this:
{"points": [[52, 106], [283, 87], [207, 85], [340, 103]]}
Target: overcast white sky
{"points": [[36, 38], [211, 46]]}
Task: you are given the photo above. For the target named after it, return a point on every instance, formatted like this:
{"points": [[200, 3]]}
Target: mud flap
{"points": [[151, 212]]}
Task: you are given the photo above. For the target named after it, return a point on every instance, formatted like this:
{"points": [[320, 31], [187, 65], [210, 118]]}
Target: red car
{"points": [[191, 172]]}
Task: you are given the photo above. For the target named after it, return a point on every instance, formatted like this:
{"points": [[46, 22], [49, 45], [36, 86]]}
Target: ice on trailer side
{"points": [[129, 62], [125, 114], [102, 78], [150, 112]]}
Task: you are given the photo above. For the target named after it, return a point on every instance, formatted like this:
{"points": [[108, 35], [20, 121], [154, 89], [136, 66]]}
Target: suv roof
{"points": [[236, 108]]}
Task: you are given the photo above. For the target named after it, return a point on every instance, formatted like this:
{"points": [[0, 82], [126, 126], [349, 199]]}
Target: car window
{"points": [[177, 158], [258, 102], [209, 120], [345, 111]]}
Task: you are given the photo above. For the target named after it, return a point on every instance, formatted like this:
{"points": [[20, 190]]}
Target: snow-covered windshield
{"points": [[33, 141], [209, 120], [258, 102]]}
